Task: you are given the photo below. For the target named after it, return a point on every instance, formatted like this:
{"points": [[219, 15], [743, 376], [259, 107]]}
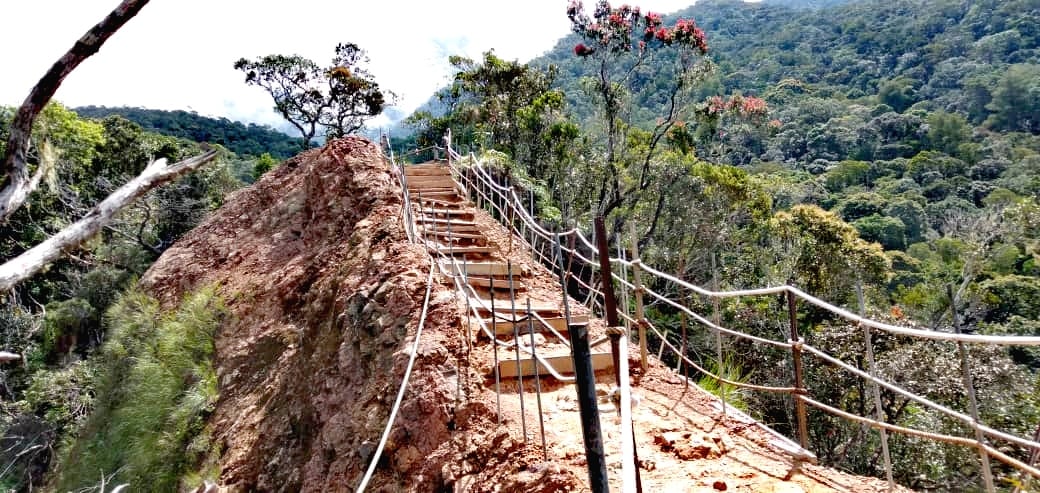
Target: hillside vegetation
{"points": [[240, 138], [892, 145]]}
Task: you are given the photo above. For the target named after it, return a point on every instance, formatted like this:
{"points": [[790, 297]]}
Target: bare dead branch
{"points": [[15, 176], [36, 258]]}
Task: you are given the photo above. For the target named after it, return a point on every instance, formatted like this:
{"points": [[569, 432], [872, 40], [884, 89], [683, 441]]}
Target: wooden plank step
{"points": [[563, 364], [455, 235], [462, 250], [504, 308], [500, 283], [493, 269], [505, 327], [431, 181], [442, 229], [424, 194], [427, 169], [443, 223], [443, 203], [447, 212]]}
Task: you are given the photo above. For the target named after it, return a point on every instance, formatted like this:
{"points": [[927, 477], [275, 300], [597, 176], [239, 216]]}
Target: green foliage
{"points": [[1011, 295], [155, 386], [263, 164], [826, 255], [242, 139], [731, 370], [1016, 100], [890, 232]]}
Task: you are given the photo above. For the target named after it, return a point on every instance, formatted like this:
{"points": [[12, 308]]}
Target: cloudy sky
{"points": [[178, 54]]}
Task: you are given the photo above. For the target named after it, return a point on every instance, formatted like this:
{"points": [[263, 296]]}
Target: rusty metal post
{"points": [[585, 383], [537, 379], [494, 344], [716, 317], [796, 358], [609, 302], [973, 404], [516, 347], [638, 291], [874, 388]]}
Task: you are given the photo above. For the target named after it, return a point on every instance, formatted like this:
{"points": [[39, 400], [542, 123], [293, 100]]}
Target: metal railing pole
{"points": [[537, 380], [585, 383], [494, 344], [638, 292], [875, 390], [609, 302], [516, 347], [716, 316], [973, 404]]}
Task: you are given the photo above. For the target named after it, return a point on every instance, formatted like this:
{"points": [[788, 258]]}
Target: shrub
{"points": [[156, 385]]}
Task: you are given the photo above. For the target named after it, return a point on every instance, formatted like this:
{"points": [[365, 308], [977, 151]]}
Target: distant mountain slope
{"points": [[240, 138]]}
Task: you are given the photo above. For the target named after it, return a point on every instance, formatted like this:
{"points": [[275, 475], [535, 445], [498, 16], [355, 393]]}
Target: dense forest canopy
{"points": [[242, 139]]}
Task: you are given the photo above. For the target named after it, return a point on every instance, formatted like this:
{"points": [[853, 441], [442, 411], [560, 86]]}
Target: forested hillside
{"points": [[888, 145], [59, 319], [242, 139]]}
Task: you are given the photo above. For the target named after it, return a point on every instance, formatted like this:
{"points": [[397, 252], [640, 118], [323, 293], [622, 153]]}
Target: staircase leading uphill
{"points": [[497, 284]]}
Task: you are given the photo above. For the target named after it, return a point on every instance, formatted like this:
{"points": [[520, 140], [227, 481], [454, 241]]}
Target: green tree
{"points": [[337, 99], [823, 254], [1016, 100], [620, 41]]}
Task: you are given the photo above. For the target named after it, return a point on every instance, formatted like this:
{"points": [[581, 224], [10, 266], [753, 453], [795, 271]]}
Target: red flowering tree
{"points": [[726, 124], [618, 41]]}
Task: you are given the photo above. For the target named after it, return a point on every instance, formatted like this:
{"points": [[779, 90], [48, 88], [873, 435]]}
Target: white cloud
{"points": [[179, 54]]}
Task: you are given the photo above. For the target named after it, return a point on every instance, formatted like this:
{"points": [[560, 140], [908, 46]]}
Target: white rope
{"points": [[404, 386]]}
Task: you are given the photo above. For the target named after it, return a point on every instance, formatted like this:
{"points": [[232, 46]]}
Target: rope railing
{"points": [[503, 198]]}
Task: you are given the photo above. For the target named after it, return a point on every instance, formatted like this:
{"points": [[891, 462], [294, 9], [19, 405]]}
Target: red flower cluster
{"points": [[612, 28], [581, 50], [746, 106]]}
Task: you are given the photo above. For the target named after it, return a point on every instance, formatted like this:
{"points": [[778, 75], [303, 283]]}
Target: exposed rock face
{"points": [[326, 294]]}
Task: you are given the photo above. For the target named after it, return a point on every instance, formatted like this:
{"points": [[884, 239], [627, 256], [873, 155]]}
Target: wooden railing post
{"points": [[796, 358]]}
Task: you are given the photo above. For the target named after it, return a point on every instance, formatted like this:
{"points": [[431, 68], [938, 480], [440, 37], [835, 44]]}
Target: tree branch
{"points": [[36, 258], [16, 182]]}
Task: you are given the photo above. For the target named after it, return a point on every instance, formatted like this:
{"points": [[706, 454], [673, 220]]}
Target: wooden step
{"points": [[493, 269], [504, 308], [447, 212], [442, 229], [462, 250], [441, 194], [427, 169], [431, 182], [444, 204], [456, 236], [563, 364], [505, 327], [501, 283], [443, 223]]}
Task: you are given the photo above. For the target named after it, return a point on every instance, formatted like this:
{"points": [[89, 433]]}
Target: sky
{"points": [[178, 54]]}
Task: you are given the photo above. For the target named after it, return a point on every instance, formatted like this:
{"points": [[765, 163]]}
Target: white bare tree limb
{"points": [[36, 258]]}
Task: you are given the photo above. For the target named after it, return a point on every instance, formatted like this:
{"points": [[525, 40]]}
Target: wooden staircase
{"points": [[445, 221]]}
